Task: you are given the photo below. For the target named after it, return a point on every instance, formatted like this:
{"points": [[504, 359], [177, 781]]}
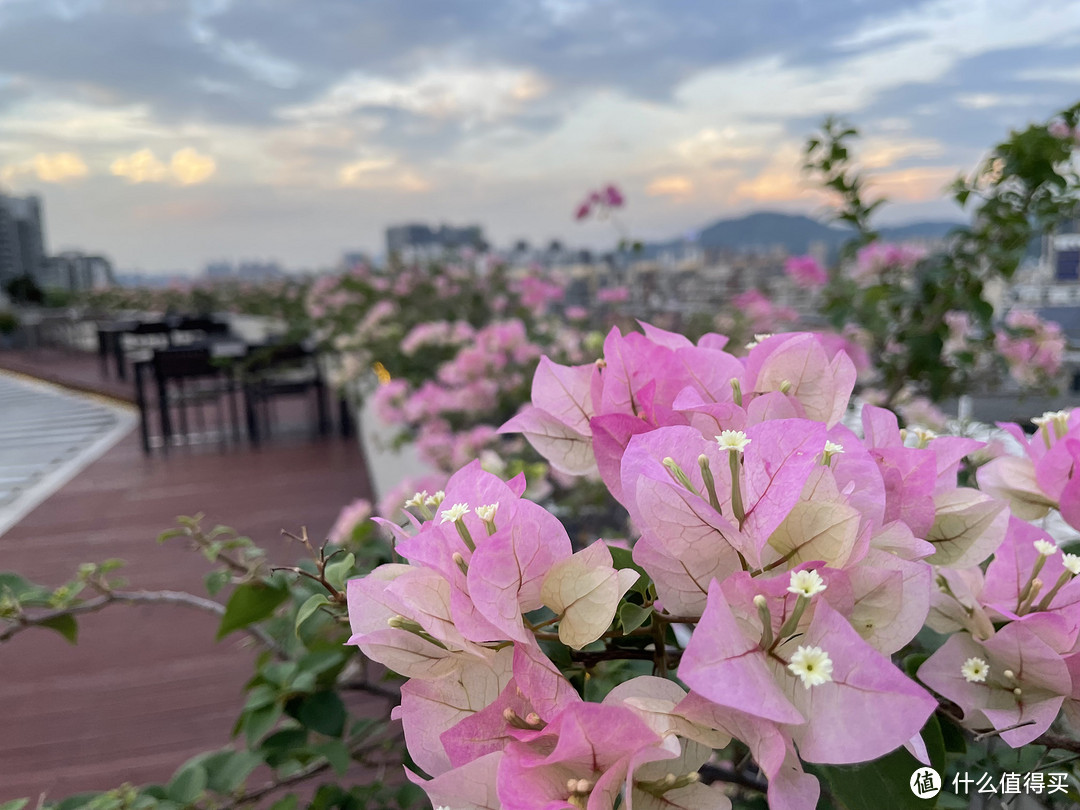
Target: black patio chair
{"points": [[280, 370], [186, 380], [137, 340]]}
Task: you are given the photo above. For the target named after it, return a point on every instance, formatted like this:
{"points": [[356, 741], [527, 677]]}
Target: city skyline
{"points": [[173, 133]]}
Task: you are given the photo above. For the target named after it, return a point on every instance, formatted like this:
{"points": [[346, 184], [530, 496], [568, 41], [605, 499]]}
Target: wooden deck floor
{"points": [[146, 687]]}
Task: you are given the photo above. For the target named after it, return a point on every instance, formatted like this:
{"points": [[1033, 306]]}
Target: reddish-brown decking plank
{"points": [[73, 369], [147, 686]]}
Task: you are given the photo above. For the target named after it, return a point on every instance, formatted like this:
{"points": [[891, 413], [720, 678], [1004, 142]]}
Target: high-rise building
{"points": [[77, 272], [22, 241]]}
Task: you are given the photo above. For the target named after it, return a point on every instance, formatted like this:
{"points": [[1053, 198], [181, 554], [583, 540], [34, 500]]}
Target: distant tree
{"points": [[24, 290]]}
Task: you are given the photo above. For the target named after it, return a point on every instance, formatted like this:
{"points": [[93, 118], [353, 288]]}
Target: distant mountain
{"points": [[795, 233], [762, 231]]}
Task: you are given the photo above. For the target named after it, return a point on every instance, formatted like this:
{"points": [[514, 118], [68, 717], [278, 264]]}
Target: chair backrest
{"points": [[208, 326], [272, 357], [184, 362], [150, 328]]}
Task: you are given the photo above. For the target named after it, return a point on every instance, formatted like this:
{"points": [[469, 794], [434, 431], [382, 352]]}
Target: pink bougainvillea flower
{"points": [[470, 786], [557, 421], [613, 197], [430, 707], [1007, 590], [829, 682], [508, 568], [580, 759], [1013, 681], [798, 365], [584, 591]]}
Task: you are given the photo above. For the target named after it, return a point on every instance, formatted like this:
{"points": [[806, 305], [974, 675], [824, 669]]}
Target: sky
{"points": [[170, 133]]}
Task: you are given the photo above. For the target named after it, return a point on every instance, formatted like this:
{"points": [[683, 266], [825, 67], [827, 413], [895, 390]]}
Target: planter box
{"points": [[387, 467]]}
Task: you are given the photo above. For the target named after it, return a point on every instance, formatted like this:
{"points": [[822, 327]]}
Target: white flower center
{"points": [[806, 583], [417, 499], [1045, 548], [732, 440], [975, 670], [455, 512], [812, 665], [1051, 416], [487, 513], [1071, 563], [832, 448]]}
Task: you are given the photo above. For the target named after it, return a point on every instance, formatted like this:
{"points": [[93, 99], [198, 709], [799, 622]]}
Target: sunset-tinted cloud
{"points": [[332, 119]]}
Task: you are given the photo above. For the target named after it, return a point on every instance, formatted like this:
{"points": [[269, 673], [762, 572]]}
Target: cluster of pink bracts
{"points": [[796, 555]]}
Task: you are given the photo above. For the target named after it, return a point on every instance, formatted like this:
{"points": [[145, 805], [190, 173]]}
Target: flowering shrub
{"points": [[282, 299], [783, 568], [1032, 347], [930, 327]]}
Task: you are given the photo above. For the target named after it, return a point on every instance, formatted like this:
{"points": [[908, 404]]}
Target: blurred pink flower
{"points": [[877, 257], [613, 295], [351, 516], [613, 197], [806, 271]]}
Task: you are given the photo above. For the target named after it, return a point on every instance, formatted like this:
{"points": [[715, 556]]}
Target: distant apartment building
{"points": [[77, 272], [22, 241], [1054, 278], [423, 241]]}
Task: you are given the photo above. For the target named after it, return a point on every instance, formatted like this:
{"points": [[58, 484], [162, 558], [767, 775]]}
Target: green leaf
{"points": [[259, 721], [623, 558], [319, 661], [24, 590], [19, 804], [261, 695], [65, 626], [336, 572], [285, 803], [215, 581], [250, 603], [284, 747], [323, 712], [632, 616], [229, 770], [336, 753], [309, 607], [885, 782], [187, 785]]}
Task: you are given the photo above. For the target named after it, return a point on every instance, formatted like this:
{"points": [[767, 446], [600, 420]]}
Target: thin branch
{"points": [[25, 622], [1052, 740], [1048, 739], [312, 770], [994, 732], [713, 773], [370, 688]]}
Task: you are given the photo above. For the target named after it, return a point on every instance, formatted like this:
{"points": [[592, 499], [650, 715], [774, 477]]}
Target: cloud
{"points": [[59, 167], [914, 185], [438, 92], [190, 168], [673, 185], [140, 167], [187, 167], [381, 174]]}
